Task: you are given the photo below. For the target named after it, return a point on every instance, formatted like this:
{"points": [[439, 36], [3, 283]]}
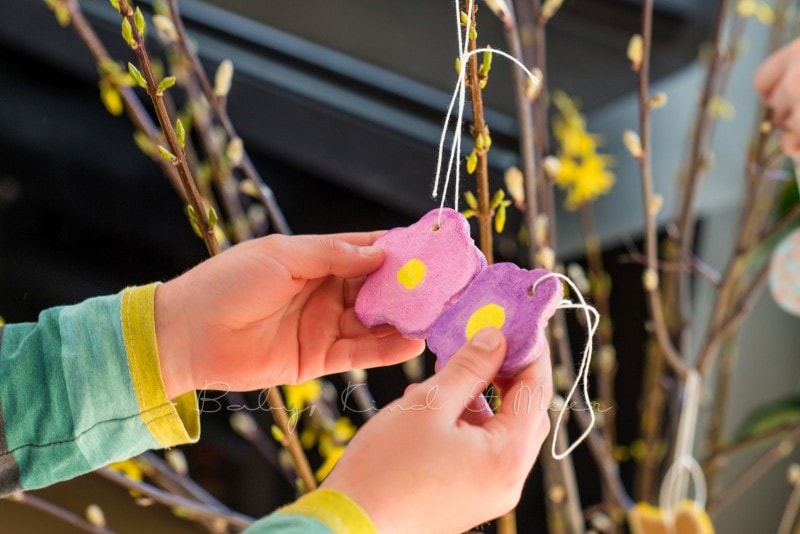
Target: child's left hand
{"points": [[276, 310]]}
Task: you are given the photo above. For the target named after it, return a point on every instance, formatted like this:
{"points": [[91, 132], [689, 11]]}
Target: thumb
{"points": [[470, 370]]}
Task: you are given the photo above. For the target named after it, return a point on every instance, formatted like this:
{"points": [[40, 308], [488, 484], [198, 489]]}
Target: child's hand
{"points": [[427, 464], [276, 310], [778, 82]]}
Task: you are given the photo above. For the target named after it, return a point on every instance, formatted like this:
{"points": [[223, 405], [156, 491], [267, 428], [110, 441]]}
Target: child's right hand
{"points": [[426, 463]]}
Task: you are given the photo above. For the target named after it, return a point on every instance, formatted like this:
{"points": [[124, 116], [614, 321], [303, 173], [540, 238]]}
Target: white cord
{"points": [[454, 162], [582, 377]]}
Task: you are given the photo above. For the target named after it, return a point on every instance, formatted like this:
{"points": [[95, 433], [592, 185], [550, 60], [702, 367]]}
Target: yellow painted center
{"points": [[412, 273], [492, 315]]}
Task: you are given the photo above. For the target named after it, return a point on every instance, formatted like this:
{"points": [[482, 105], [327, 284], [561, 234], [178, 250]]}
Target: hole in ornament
{"points": [[436, 228], [531, 290]]}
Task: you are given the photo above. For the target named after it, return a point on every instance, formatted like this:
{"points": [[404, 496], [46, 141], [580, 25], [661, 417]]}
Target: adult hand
{"points": [[275, 310], [778, 82], [433, 461]]}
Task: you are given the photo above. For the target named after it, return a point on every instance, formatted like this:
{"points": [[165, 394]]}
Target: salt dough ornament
{"points": [[784, 273], [688, 518], [427, 266], [500, 296]]}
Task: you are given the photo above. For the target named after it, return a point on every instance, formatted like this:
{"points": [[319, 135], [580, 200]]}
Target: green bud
{"points": [[115, 4], [166, 28], [95, 516], [193, 219], [180, 132], [127, 33], [277, 434], [469, 198], [472, 162], [249, 187], [213, 218], [458, 65], [500, 218], [166, 154], [480, 143], [473, 34], [138, 19], [137, 76], [143, 141], [62, 14], [486, 64], [464, 18], [166, 83], [223, 78], [498, 198], [468, 213]]}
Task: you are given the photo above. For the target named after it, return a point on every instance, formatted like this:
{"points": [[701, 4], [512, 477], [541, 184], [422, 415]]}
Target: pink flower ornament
{"points": [[427, 267]]}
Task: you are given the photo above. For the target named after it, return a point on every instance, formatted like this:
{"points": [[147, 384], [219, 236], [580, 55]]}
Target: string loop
{"points": [[582, 377], [675, 487]]}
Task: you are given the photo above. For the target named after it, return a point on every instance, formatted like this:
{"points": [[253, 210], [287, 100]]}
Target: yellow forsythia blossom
{"points": [[301, 395], [583, 172]]}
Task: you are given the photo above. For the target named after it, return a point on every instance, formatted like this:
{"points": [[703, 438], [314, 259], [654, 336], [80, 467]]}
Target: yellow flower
{"points": [[330, 461], [301, 395], [342, 431], [582, 172], [132, 469], [332, 442]]}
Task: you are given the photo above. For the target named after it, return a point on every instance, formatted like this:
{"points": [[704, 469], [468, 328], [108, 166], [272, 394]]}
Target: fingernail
{"points": [[370, 250], [487, 339]]}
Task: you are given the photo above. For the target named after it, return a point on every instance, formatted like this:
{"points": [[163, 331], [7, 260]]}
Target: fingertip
{"points": [[371, 251]]}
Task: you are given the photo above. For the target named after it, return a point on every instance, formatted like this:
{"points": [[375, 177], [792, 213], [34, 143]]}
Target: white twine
{"points": [[582, 376], [454, 162], [675, 487]]}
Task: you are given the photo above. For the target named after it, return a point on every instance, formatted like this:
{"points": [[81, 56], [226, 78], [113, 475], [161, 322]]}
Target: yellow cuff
{"points": [[335, 510], [171, 423]]}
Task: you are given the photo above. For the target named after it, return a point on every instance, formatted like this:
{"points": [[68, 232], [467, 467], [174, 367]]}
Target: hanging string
{"points": [[675, 487], [582, 377], [460, 93], [454, 161]]}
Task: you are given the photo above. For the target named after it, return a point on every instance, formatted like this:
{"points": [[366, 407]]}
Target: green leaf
{"points": [[774, 415], [127, 33], [166, 154], [137, 76], [180, 132], [115, 3], [138, 19], [166, 83]]}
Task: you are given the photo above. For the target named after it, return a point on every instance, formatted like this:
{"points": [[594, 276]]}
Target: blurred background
{"points": [[340, 105]]}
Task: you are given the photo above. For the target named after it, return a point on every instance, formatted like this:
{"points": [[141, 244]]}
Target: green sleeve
{"points": [[322, 511], [81, 388]]}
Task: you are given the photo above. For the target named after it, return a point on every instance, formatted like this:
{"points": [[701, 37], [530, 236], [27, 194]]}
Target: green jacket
{"points": [[82, 388]]}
